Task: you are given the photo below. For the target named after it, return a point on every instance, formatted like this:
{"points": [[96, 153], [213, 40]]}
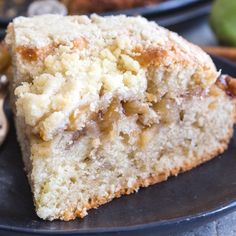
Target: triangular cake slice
{"points": [[104, 106]]}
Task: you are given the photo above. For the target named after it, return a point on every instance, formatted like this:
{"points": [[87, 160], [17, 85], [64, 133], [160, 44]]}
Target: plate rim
{"points": [[158, 8], [208, 214]]}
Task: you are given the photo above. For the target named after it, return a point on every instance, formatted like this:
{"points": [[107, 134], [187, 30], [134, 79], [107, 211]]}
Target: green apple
{"points": [[223, 21]]}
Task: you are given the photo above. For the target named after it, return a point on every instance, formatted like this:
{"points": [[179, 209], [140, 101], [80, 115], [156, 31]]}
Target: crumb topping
{"points": [[75, 66]]}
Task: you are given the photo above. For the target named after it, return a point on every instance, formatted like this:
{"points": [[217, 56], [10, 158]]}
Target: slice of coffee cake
{"points": [[104, 106]]}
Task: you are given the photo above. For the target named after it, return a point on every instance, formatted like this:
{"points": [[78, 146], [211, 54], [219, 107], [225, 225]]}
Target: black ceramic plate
{"points": [[160, 8], [196, 196], [168, 13], [19, 7]]}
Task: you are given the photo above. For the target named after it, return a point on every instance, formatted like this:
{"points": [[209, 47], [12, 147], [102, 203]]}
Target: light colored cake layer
{"points": [[75, 66], [79, 171]]}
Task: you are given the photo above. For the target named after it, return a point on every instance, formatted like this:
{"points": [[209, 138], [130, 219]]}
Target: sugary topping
{"points": [[69, 81], [75, 66]]}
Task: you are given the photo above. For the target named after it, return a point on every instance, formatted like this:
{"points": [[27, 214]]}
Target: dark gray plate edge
{"points": [[177, 18], [223, 61], [208, 215], [163, 7], [159, 8]]}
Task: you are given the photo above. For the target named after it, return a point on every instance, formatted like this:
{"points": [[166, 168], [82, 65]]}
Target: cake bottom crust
{"points": [[73, 213]]}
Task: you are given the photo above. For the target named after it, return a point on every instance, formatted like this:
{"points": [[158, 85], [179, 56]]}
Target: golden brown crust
{"points": [[34, 54], [71, 214], [150, 56]]}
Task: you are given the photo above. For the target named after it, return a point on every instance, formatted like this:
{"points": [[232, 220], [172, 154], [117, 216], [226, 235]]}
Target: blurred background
{"points": [[208, 23]]}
